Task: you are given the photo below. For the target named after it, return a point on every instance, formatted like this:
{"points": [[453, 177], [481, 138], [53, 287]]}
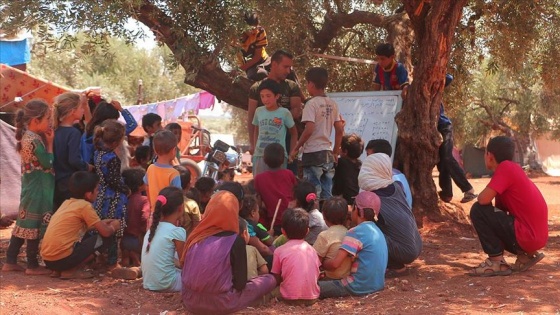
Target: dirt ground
{"points": [[437, 283]]}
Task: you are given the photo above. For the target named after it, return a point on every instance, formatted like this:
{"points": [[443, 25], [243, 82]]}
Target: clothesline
{"points": [[171, 110]]}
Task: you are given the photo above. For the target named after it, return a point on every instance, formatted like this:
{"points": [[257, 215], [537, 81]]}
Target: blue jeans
{"points": [[332, 288], [321, 176]]}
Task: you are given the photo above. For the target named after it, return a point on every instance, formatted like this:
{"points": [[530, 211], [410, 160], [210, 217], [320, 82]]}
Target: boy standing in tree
{"points": [[389, 74], [320, 115], [518, 221]]}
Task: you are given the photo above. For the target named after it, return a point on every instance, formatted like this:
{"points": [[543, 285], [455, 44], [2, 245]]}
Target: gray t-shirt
{"points": [[316, 225]]}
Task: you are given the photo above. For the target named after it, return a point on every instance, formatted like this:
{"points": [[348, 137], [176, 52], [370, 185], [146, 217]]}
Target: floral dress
{"points": [[112, 196], [37, 188]]}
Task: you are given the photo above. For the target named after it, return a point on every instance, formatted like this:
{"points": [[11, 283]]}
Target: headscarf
{"points": [[221, 214], [376, 172]]}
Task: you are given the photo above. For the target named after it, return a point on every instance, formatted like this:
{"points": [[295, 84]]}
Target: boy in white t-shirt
{"points": [[320, 114]]}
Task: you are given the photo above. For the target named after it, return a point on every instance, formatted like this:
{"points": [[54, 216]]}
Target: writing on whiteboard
{"points": [[371, 115]]}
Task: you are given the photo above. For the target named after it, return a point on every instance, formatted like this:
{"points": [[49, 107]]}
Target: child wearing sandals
{"points": [[163, 243], [63, 248], [518, 220]]}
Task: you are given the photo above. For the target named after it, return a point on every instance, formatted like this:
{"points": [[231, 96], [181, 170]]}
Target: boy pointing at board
{"points": [[320, 114]]}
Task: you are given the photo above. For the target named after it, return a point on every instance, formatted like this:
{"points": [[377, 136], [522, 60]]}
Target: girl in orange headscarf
{"points": [[214, 262]]}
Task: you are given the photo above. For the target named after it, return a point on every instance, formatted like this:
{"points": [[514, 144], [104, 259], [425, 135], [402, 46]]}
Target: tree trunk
{"points": [[434, 24]]}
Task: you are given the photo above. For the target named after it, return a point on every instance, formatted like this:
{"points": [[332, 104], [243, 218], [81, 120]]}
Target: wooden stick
{"points": [[275, 213]]}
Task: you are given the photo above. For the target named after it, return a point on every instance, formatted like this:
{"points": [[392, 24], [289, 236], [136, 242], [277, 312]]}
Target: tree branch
{"points": [[336, 21]]}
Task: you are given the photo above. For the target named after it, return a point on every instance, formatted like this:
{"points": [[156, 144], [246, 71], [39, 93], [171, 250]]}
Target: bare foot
{"points": [[113, 267], [12, 267], [37, 271]]}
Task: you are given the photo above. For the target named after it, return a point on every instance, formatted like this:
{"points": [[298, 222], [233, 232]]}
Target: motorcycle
{"points": [[221, 157]]}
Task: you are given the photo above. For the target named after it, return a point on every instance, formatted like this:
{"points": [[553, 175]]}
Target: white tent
{"points": [[548, 154]]}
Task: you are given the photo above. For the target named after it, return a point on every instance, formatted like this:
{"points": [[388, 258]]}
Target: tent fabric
{"points": [[16, 83], [15, 53], [170, 110], [473, 162], [548, 154], [10, 171]]}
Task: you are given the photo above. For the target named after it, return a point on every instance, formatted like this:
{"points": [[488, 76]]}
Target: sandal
{"points": [[468, 197], [518, 266], [490, 268]]}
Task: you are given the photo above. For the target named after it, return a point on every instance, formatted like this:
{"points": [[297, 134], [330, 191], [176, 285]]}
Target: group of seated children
{"points": [[218, 247]]}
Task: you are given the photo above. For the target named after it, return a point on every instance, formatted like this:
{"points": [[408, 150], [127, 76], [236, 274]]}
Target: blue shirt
{"points": [[400, 73], [443, 120], [399, 177], [87, 141], [367, 245], [158, 269], [272, 128], [66, 151]]}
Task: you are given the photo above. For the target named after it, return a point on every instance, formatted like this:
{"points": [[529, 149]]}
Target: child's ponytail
{"points": [[35, 108], [305, 194], [63, 105], [108, 135], [167, 202]]}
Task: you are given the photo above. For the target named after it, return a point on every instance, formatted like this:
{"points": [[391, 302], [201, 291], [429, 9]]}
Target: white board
{"points": [[371, 115]]}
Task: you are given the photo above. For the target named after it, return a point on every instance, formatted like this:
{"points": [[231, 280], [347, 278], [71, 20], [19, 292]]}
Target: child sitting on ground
{"points": [[258, 236], [517, 222], [296, 264], [256, 265], [367, 247], [306, 197], [65, 249], [335, 211], [205, 187], [191, 216], [163, 243], [138, 208], [161, 174], [275, 184], [345, 180]]}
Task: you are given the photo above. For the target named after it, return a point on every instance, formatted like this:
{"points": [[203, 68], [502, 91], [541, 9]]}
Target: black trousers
{"points": [[32, 251], [448, 167], [495, 229], [82, 250]]}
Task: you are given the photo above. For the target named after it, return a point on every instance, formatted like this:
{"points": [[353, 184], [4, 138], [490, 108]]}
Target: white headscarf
{"points": [[376, 172]]}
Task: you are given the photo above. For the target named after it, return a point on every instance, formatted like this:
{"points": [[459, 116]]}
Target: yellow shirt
{"points": [[249, 41], [191, 214], [67, 226], [158, 176], [327, 245]]}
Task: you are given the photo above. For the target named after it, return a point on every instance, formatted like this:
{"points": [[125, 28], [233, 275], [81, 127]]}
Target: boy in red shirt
{"points": [[273, 185], [518, 222]]}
